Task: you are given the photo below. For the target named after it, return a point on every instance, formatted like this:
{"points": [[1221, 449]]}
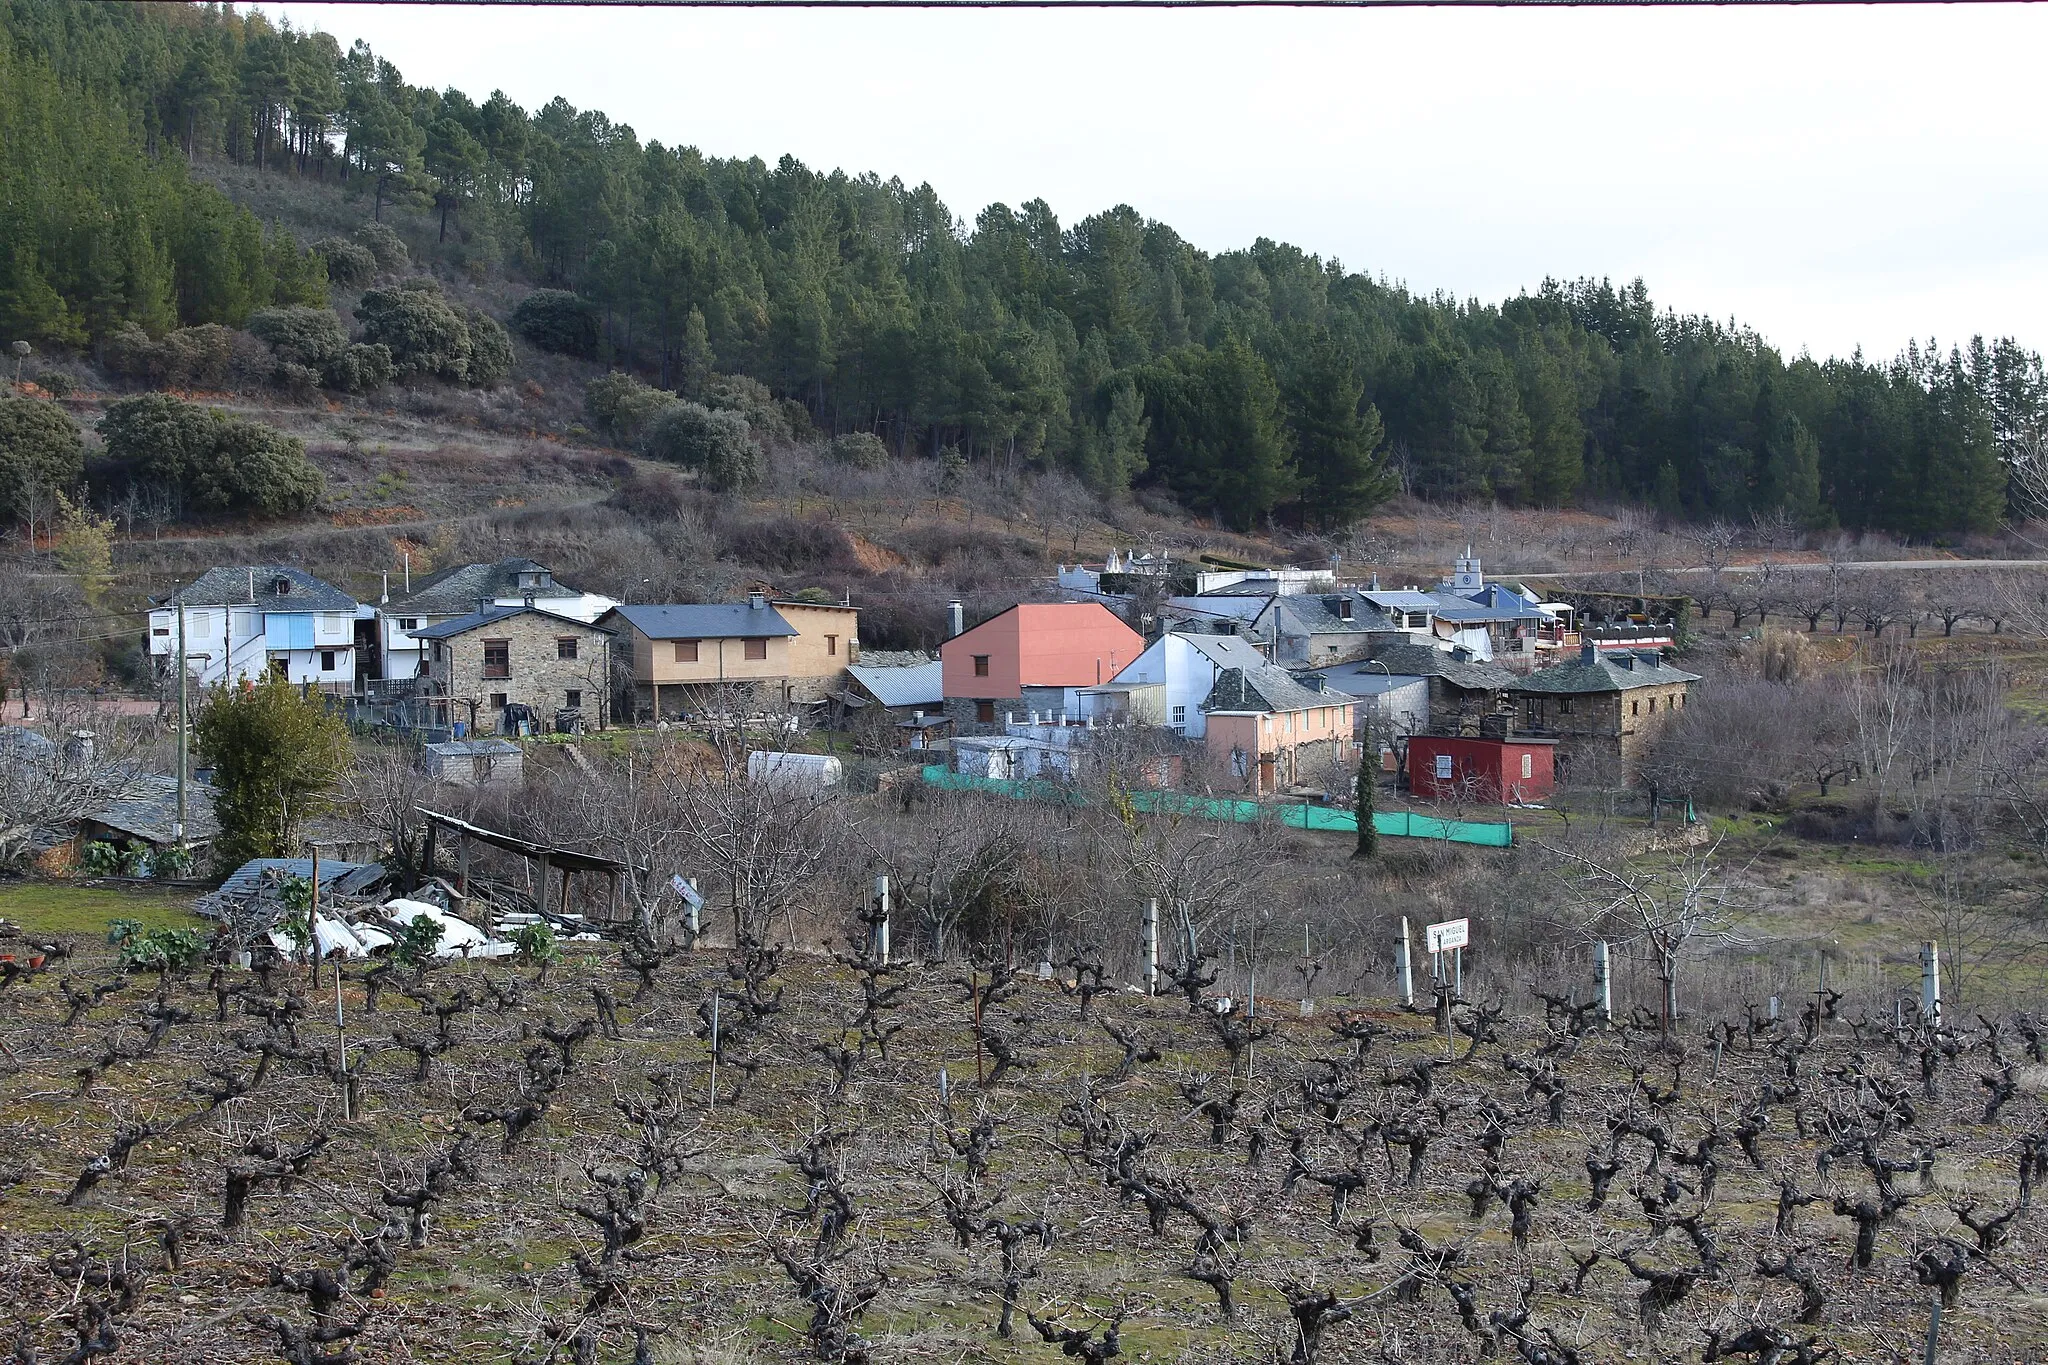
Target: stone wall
{"points": [[539, 676]]}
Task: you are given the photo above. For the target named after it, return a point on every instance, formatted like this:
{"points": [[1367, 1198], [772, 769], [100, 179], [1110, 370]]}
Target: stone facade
{"points": [[529, 658], [1603, 732]]}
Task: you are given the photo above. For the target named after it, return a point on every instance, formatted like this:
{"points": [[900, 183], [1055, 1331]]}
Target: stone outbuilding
{"points": [[500, 667]]}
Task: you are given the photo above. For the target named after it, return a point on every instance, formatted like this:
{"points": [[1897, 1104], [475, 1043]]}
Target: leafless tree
{"points": [[75, 763]]}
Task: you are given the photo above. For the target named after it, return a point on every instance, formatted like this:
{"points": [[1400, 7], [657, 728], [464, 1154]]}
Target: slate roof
{"points": [[228, 585], [151, 805], [490, 616], [1423, 661], [21, 743], [1266, 688], [916, 685], [706, 621], [1609, 672], [470, 748], [1318, 614], [460, 587]]}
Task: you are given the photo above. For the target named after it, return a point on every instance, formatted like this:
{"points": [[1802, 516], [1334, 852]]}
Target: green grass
{"points": [[51, 908]]}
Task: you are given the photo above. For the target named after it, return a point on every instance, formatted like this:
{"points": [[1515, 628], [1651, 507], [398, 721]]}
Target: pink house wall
{"points": [[1039, 644], [1260, 736]]}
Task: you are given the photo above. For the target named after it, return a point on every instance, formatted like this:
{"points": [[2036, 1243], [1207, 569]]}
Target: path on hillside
{"points": [[1787, 565]]}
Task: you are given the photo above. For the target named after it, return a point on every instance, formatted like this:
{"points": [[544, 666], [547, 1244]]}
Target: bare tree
{"points": [[48, 781]]}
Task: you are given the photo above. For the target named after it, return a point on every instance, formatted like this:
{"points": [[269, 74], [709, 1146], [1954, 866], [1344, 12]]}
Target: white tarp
{"points": [[459, 938]]}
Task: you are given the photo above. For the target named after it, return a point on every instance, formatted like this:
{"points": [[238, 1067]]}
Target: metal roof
{"points": [[917, 685], [1365, 678], [245, 880], [1400, 599], [490, 616], [458, 748], [706, 621], [1225, 651], [244, 585]]}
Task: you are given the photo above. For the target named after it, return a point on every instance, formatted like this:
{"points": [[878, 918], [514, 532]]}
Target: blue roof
{"points": [[705, 621], [244, 880], [490, 616], [915, 685]]}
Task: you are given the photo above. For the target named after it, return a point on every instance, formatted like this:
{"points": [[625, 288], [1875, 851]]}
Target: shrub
{"points": [[490, 350], [218, 463], [621, 406], [557, 320], [276, 757], [417, 939], [385, 244], [861, 450], [749, 398], [715, 444], [349, 264], [312, 337], [424, 335], [39, 449], [155, 950], [101, 859], [205, 357], [363, 368]]}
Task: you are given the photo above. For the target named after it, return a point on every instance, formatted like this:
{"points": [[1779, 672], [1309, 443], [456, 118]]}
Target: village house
{"points": [[1388, 704], [788, 653], [1272, 732], [457, 591], [1033, 659], [245, 621], [1305, 628], [500, 668], [1604, 708], [1462, 689], [1167, 683]]}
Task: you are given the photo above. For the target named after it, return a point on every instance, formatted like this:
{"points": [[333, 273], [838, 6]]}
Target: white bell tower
{"points": [[1468, 578]]}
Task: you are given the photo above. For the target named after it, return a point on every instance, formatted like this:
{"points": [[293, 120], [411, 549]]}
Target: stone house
{"points": [[458, 590], [483, 666], [1604, 708], [1463, 690]]}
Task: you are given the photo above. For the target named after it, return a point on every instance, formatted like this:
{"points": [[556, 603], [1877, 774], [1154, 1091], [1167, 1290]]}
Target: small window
{"points": [[686, 651], [981, 665], [497, 701], [408, 623], [1528, 766], [1180, 716], [159, 630], [757, 649], [326, 661], [497, 658], [985, 712], [437, 651], [831, 644], [1443, 767], [1635, 708], [565, 646], [575, 702], [1564, 706]]}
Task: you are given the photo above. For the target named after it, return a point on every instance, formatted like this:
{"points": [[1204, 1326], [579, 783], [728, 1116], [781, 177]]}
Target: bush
{"points": [[715, 444], [424, 335], [155, 950], [490, 350], [384, 244], [40, 449], [417, 940], [621, 406], [861, 450], [349, 264], [363, 368], [218, 463], [751, 399], [312, 337], [205, 357], [557, 320]]}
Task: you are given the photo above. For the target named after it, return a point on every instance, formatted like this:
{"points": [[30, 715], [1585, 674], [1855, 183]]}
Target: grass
{"points": [[52, 908]]}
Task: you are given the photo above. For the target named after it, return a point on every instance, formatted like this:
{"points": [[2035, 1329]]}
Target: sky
{"points": [[1834, 176]]}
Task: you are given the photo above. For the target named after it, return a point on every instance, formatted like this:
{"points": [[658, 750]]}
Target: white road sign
{"points": [[686, 891], [1452, 933]]}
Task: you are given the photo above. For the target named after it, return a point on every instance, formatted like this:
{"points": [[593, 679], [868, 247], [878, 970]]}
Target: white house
{"points": [[1167, 683], [458, 590], [244, 621]]}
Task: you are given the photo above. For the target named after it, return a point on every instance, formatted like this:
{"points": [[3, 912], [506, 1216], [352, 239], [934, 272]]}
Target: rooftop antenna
{"points": [[408, 572], [385, 600]]}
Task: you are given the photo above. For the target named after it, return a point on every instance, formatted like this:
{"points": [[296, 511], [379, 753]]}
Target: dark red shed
{"points": [[1488, 771]]}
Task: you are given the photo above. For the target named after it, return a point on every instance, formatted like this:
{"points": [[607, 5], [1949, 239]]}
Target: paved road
{"points": [[1785, 566]]}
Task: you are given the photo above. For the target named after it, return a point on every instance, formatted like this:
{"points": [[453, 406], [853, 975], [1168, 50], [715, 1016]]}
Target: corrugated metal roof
{"points": [[917, 685], [244, 880], [706, 621], [1400, 599]]}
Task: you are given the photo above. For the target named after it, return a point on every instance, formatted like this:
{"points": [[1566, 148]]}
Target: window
{"points": [[159, 630], [326, 661], [408, 623], [1443, 767], [686, 651], [497, 701], [985, 712], [981, 665], [497, 658], [1528, 766], [832, 644], [565, 646], [757, 649], [1635, 707], [437, 651], [575, 702], [1564, 706], [1179, 717]]}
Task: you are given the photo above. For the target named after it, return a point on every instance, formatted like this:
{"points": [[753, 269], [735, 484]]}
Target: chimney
{"points": [[757, 601], [955, 618], [483, 604], [528, 597], [1588, 652]]}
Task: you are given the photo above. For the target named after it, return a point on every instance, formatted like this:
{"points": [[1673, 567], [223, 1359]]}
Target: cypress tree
{"points": [[1368, 778]]}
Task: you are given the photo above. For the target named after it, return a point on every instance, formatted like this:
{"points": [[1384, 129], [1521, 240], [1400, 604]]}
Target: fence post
{"points": [[693, 913], [1603, 976], [1930, 983], [882, 928], [1404, 972], [1152, 946]]}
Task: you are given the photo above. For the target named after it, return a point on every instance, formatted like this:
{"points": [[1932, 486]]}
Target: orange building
{"points": [[1033, 658], [1270, 732]]}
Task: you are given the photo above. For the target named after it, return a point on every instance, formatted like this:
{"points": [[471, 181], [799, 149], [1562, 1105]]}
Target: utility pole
{"points": [[178, 820]]}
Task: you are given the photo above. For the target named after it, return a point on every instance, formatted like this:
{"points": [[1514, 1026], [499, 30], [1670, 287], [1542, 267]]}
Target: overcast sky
{"points": [[1833, 176]]}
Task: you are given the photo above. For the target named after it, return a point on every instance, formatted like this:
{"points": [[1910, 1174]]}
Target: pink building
{"points": [[1032, 658], [1271, 732]]}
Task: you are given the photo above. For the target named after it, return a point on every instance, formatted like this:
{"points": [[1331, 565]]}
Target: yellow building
{"points": [[788, 652]]}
